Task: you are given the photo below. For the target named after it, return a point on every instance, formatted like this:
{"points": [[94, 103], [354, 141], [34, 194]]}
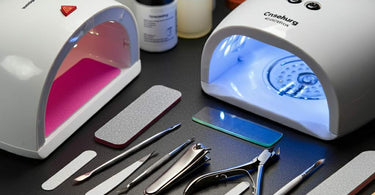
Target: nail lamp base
{"points": [[59, 67]]}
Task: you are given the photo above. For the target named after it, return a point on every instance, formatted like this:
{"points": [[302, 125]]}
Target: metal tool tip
{"points": [[191, 139], [321, 161], [176, 125], [82, 177], [278, 151], [148, 156]]}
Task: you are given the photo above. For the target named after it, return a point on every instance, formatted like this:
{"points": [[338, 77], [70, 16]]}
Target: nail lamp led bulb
{"points": [[309, 69], [60, 62]]}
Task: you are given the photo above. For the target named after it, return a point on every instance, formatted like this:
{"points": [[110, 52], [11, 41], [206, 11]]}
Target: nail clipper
{"points": [[192, 159]]}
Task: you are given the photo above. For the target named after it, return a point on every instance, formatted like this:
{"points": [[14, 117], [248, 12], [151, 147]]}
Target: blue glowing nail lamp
{"points": [[60, 62], [306, 64]]}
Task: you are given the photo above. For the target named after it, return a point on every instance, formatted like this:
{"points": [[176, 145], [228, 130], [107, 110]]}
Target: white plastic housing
{"points": [[40, 48], [336, 43]]}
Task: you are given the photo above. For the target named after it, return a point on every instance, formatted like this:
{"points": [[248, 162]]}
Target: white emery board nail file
{"points": [[69, 169], [350, 178], [239, 189], [138, 116]]}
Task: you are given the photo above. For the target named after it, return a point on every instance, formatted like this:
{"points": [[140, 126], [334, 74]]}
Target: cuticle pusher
{"points": [[115, 180], [127, 153]]}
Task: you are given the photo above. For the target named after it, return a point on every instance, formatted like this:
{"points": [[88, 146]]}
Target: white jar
{"points": [[194, 18], [157, 24]]}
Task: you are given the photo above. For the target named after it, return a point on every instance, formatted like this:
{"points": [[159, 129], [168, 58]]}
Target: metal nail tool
{"points": [[222, 175], [119, 177], [155, 166], [192, 159], [127, 153], [290, 185]]}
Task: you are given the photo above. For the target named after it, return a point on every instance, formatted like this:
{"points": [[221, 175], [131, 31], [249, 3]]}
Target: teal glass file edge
{"points": [[202, 122]]}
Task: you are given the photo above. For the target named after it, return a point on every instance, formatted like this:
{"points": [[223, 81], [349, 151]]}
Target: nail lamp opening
{"points": [[57, 71], [312, 70]]}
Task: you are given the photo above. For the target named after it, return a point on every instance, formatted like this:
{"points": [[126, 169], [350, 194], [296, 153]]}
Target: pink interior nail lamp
{"points": [[307, 64], [60, 62]]}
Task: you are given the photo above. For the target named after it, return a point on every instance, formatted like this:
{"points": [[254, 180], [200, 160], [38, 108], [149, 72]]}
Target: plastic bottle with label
{"points": [[157, 24]]}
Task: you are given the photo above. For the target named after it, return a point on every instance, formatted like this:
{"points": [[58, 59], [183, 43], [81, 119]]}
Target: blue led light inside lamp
{"points": [[286, 74], [292, 77]]}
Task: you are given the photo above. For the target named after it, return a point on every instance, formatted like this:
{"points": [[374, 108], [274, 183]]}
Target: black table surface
{"points": [[179, 68]]}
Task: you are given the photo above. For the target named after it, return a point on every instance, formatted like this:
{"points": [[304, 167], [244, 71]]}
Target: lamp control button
{"points": [[67, 9], [313, 5], [294, 1]]}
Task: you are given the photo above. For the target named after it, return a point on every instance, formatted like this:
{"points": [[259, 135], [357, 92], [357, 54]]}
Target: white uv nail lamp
{"points": [[306, 64], [60, 62]]}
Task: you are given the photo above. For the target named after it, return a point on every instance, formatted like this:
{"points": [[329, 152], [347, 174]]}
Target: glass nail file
{"points": [[236, 126]]}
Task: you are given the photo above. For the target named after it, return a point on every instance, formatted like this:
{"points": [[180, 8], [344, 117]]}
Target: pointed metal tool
{"points": [[155, 166], [127, 153], [118, 178]]}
